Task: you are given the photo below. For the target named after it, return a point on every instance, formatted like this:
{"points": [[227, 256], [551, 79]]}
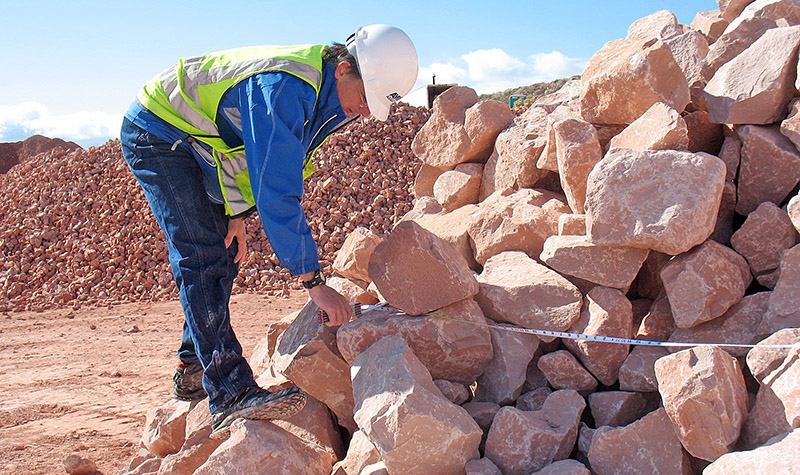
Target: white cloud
{"points": [[493, 70], [20, 121]]}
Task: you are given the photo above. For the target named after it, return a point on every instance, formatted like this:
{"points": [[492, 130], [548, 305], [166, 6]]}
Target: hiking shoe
{"points": [[188, 382], [256, 403]]}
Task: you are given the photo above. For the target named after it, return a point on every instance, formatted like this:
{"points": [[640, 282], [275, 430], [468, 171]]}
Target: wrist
{"points": [[312, 279]]}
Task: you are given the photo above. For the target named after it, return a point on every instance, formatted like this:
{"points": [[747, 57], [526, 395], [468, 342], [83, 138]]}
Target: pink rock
{"points": [[638, 372], [625, 77], [648, 283], [661, 24], [689, 50], [564, 371], [770, 167], [351, 291], [607, 312], [520, 221], [779, 454], [784, 301], [194, 453], [710, 23], [704, 283], [571, 225], [791, 126], [405, 416], [704, 135], [763, 237], [577, 151], [165, 427], [763, 360], [482, 466], [426, 177], [793, 208], [516, 289], [564, 467], [456, 393], [609, 266], [452, 227], [623, 209], [443, 142], [704, 394], [504, 376], [360, 454], [658, 324], [417, 272], [659, 128], [482, 412], [77, 465], [533, 400], [459, 187], [777, 407], [521, 442], [548, 160], [483, 122], [353, 258], [731, 152], [646, 446], [755, 87], [730, 9], [262, 447], [618, 408], [314, 424], [739, 325], [450, 349], [306, 353]]}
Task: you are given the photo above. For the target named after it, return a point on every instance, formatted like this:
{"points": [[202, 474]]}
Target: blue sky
{"points": [[72, 68]]}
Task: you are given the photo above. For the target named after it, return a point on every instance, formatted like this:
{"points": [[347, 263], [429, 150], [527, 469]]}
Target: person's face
{"points": [[350, 89]]}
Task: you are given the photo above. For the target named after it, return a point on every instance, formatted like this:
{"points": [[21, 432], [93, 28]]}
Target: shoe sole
{"points": [[195, 396], [282, 407]]}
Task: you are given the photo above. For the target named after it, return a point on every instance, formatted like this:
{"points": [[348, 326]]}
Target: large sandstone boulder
{"points": [[777, 455], [360, 453], [664, 200], [521, 442], [784, 301], [769, 169], [607, 312], [353, 258], [458, 187], [790, 127], [662, 25], [520, 221], [504, 376], [451, 226], [461, 129], [165, 427], [638, 372], [577, 152], [416, 271], [564, 371], [762, 238], [609, 266], [306, 353], [405, 416], [730, 9], [763, 359], [626, 77], [704, 283], [660, 128], [704, 394], [710, 23], [619, 408], [516, 289], [689, 50], [449, 349], [756, 86], [646, 446]]}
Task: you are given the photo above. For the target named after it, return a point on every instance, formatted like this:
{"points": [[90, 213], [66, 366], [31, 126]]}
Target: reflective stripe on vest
{"points": [[188, 96]]}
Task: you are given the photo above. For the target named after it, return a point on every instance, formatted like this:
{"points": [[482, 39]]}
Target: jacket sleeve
{"points": [[274, 108]]}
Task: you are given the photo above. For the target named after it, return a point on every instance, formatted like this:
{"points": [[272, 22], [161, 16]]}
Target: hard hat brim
{"points": [[378, 108]]}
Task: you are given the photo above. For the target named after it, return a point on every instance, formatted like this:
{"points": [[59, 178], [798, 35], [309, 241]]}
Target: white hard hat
{"points": [[387, 61]]}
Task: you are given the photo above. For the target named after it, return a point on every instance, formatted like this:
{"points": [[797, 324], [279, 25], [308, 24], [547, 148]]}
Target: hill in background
{"points": [[533, 91]]}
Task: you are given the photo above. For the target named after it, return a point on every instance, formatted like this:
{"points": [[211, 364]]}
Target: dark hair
{"points": [[337, 53]]}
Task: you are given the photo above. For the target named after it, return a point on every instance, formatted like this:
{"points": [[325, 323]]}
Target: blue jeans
{"points": [[195, 229]]}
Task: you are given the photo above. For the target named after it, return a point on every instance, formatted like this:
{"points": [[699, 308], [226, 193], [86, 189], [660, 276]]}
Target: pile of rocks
{"points": [[655, 199], [75, 228]]}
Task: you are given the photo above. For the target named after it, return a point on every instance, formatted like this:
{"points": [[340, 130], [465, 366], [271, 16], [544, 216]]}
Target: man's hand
{"points": [[336, 306], [236, 229]]}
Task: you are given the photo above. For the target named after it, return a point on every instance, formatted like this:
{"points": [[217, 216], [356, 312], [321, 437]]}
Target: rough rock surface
{"points": [[642, 199], [504, 376], [577, 152], [779, 454], [353, 258], [704, 394], [405, 416], [660, 128]]}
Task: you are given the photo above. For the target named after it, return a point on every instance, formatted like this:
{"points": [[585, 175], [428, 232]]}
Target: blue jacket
{"points": [[280, 121]]}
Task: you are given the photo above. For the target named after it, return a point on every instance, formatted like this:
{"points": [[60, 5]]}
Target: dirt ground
{"points": [[81, 381]]}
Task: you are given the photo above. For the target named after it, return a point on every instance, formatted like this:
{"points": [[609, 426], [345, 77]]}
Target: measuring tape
{"points": [[557, 334]]}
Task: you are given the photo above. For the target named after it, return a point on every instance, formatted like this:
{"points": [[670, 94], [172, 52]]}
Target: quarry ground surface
{"points": [[81, 381]]}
